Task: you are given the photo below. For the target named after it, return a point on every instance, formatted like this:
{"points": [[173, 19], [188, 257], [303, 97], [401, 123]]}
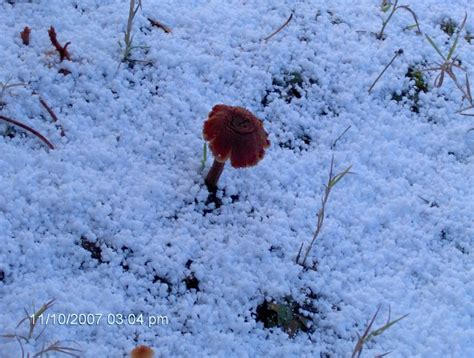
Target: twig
{"points": [[53, 115], [28, 129], [333, 145], [466, 114], [382, 355], [397, 53], [425, 200], [62, 50], [299, 253], [279, 29], [160, 25]]}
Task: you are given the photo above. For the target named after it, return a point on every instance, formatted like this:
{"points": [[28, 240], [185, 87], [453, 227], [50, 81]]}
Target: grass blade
{"points": [[435, 47], [455, 43]]}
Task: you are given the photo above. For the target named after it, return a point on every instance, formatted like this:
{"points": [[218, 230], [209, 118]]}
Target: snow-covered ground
{"points": [[127, 178]]}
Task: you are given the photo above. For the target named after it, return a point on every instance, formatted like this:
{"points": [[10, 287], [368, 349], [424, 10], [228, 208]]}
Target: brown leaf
{"points": [[25, 35], [160, 25]]}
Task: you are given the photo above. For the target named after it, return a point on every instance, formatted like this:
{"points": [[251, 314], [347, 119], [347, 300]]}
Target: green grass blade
{"points": [[455, 43], [435, 47], [382, 329]]}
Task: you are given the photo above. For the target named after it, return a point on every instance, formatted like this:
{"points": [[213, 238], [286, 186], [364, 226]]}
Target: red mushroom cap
{"points": [[235, 133], [142, 352]]}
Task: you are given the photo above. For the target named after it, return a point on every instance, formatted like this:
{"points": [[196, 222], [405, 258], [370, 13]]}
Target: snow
{"points": [[398, 231]]}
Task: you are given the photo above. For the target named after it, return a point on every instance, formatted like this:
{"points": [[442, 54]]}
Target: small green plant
{"points": [[369, 334], [283, 314], [449, 26], [418, 83], [448, 65], [331, 183], [418, 78], [288, 87], [31, 338], [385, 6], [128, 46]]}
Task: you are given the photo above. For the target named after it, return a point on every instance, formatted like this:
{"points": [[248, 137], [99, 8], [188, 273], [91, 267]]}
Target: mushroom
{"points": [[235, 133], [142, 352]]}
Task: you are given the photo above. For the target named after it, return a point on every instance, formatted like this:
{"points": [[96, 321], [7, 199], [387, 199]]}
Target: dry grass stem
{"points": [[369, 334], [128, 37], [333, 145], [332, 181], [395, 7], [279, 29], [33, 320], [397, 53]]}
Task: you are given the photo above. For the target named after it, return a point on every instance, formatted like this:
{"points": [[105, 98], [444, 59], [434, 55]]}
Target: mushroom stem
{"points": [[214, 174]]}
